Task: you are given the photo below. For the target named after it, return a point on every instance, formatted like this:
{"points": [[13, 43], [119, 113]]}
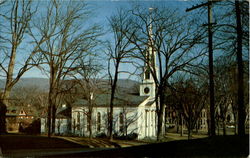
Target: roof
{"points": [[61, 112], [20, 111], [150, 103], [119, 100], [64, 112]]}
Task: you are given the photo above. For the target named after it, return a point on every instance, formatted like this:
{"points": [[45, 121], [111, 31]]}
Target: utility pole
{"points": [[241, 108], [211, 73]]}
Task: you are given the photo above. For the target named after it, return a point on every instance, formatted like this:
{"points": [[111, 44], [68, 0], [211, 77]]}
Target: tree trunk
{"points": [[241, 107], [53, 118], [159, 125], [51, 110], [49, 120], [218, 127], [224, 128], [74, 126], [236, 126], [90, 123], [3, 110], [189, 133], [113, 89], [4, 102], [189, 127], [208, 125], [178, 124], [160, 117], [181, 125], [69, 123]]}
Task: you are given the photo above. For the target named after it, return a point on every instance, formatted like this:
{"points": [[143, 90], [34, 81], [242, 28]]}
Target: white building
{"points": [[131, 113]]}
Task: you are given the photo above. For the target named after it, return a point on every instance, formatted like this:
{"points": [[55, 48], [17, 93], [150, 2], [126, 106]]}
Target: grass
{"points": [[22, 142], [218, 146]]}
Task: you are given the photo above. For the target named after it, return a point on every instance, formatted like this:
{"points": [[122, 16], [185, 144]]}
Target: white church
{"points": [[132, 114]]}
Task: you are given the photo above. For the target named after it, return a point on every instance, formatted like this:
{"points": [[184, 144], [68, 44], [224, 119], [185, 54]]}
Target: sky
{"points": [[102, 10]]}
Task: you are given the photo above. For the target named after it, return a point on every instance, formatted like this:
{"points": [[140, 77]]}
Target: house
{"points": [[18, 118]]}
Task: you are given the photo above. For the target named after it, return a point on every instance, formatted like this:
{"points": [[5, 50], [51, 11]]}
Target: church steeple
{"points": [[147, 87]]}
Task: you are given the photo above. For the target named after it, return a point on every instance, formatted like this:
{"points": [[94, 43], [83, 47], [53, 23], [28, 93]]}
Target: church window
{"points": [[78, 121], [98, 122], [228, 118], [152, 117], [121, 122], [88, 123], [147, 74], [146, 118], [78, 117]]}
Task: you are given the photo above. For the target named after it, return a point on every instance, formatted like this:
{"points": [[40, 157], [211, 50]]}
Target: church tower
{"points": [[147, 87]]}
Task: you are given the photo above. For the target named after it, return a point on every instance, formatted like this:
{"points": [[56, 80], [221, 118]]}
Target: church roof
{"points": [[103, 100], [150, 103]]}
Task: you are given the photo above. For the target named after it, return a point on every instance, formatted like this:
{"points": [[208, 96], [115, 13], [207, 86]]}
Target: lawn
{"points": [[218, 146], [25, 142]]}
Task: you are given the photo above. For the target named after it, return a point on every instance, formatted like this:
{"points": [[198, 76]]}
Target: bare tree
{"points": [[16, 16], [233, 37], [89, 70], [68, 94], [165, 41], [118, 53], [190, 100], [69, 42], [224, 84]]}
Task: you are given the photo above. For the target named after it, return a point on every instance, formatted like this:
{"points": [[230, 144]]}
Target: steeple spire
{"points": [[147, 88]]}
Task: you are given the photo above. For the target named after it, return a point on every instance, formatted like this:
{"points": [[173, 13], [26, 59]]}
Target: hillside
{"points": [[39, 83], [43, 84]]}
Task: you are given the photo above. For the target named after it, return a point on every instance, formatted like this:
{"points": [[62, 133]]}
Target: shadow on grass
{"points": [[218, 146], [19, 141]]}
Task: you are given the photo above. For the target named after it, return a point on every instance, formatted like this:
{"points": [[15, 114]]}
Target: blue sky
{"points": [[104, 9]]}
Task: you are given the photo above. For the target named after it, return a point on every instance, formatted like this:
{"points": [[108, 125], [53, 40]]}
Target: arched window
{"points": [[88, 122], [121, 122], [152, 117], [228, 118], [98, 122], [147, 74], [78, 117], [78, 121]]}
